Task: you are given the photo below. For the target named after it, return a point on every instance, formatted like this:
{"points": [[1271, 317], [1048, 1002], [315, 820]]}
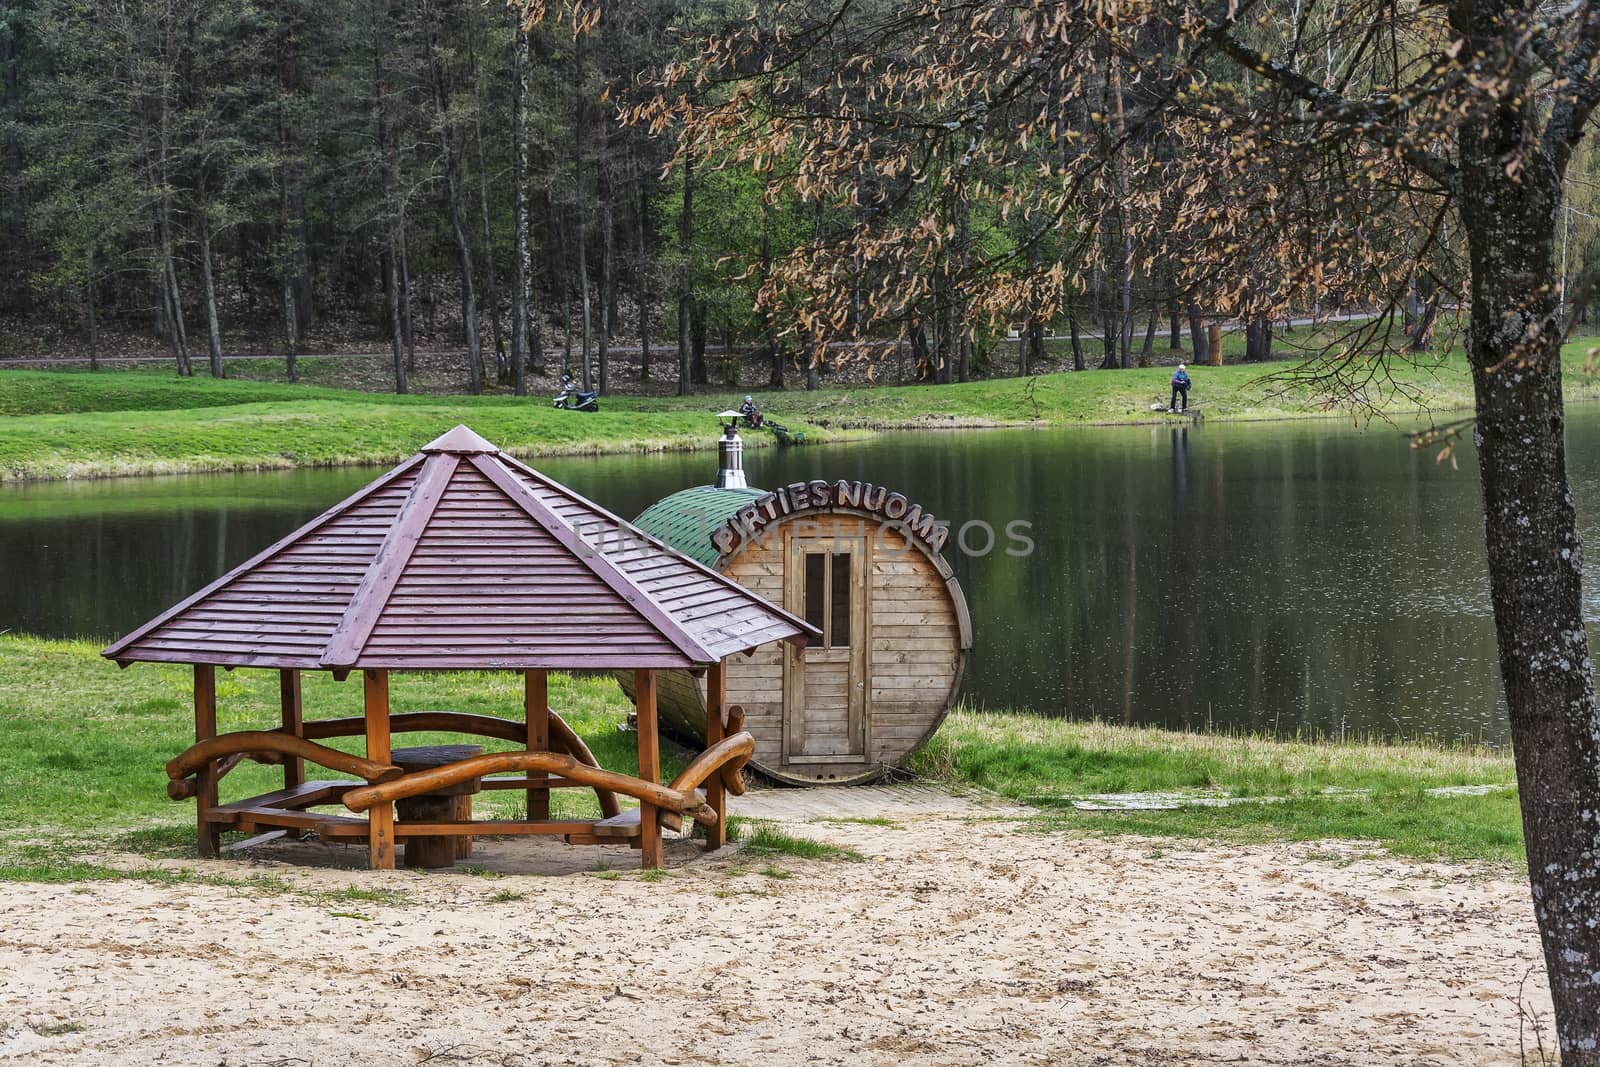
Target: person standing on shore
{"points": [[1180, 387]]}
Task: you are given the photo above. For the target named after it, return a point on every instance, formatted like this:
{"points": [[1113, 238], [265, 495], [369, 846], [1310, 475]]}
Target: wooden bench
{"points": [[626, 826]]}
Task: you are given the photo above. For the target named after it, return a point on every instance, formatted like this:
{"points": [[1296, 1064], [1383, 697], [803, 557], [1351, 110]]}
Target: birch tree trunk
{"points": [[293, 167], [291, 330], [643, 281], [580, 137], [10, 105], [491, 294], [407, 317], [607, 265], [1125, 267], [769, 330], [685, 247], [457, 206], [213, 326], [390, 254], [522, 298], [90, 296], [171, 296]]}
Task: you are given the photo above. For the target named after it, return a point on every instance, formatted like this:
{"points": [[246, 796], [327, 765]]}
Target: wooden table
{"points": [[452, 803]]}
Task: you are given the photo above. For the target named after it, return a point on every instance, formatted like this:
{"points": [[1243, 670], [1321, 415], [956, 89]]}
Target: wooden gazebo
{"points": [[461, 558]]}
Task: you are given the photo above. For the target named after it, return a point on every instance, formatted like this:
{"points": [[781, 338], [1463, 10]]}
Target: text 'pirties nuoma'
{"points": [[810, 496]]}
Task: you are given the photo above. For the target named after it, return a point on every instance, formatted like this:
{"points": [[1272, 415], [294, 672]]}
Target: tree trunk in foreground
{"points": [[1535, 557]]}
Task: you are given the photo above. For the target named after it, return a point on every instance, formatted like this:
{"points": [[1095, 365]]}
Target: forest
{"points": [[531, 187], [296, 176]]}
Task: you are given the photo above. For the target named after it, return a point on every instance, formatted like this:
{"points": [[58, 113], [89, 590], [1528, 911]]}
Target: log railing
{"points": [[456, 722], [243, 742], [562, 737], [725, 759], [184, 788], [272, 746], [681, 797]]}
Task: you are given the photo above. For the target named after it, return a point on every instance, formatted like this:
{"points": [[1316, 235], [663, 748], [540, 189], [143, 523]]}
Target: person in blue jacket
{"points": [[1180, 387]]}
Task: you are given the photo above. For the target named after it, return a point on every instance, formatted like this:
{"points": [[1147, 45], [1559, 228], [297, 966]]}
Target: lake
{"points": [[1296, 578]]}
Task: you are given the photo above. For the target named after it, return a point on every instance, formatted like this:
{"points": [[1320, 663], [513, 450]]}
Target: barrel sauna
{"points": [[862, 564]]}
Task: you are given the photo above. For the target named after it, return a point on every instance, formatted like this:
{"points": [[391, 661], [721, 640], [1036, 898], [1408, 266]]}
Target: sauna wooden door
{"points": [[825, 685]]}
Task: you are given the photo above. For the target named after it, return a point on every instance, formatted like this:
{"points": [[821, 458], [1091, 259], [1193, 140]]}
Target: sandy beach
{"points": [[962, 937]]}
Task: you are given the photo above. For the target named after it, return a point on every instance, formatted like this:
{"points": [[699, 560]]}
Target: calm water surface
{"points": [[1289, 578]]}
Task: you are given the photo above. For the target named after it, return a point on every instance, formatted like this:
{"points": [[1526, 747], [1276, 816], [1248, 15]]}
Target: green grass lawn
{"points": [[63, 424], [315, 429], [1318, 790], [85, 746], [1236, 391]]}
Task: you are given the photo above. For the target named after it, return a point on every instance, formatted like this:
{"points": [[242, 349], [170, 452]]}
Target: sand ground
{"points": [[961, 938]]}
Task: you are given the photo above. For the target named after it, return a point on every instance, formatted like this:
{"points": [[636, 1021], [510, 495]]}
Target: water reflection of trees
{"points": [[1287, 578]]}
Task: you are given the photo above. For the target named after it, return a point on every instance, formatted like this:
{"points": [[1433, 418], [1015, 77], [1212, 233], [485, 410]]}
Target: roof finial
{"points": [[459, 440]]}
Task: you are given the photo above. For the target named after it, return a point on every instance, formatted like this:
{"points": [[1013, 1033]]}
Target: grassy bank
{"points": [[1297, 790], [140, 422], [86, 744], [65, 424]]}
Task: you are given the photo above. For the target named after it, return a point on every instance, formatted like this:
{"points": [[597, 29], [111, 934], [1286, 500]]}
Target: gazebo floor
{"points": [[527, 855]]}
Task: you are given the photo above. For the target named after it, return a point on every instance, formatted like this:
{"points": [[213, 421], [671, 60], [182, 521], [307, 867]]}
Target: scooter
{"points": [[571, 398]]}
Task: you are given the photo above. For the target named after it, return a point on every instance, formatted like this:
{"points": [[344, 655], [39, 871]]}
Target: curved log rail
{"points": [[680, 797], [567, 740], [562, 737], [455, 722], [196, 756], [726, 758], [184, 788]]}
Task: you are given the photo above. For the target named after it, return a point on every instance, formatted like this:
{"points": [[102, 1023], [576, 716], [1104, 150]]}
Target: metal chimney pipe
{"points": [[730, 460]]}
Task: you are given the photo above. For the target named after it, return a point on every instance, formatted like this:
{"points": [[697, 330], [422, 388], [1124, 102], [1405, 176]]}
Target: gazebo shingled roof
{"points": [[462, 557]]}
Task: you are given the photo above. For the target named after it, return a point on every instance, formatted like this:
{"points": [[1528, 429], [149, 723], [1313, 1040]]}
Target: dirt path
{"points": [[962, 938]]}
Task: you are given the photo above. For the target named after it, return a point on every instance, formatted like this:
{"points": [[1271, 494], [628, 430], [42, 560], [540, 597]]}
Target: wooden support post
{"points": [[716, 719], [208, 840], [294, 767], [644, 702], [536, 705], [380, 817]]}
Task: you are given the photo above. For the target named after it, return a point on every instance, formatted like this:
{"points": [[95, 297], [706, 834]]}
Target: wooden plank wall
{"points": [[914, 653], [756, 682]]}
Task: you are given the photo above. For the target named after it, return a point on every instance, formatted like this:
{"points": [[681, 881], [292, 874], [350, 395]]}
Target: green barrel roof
{"points": [[685, 519]]}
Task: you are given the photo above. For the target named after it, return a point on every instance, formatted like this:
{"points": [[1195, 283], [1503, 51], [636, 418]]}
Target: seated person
{"points": [[751, 413]]}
